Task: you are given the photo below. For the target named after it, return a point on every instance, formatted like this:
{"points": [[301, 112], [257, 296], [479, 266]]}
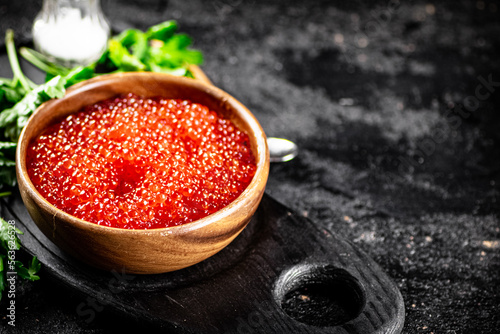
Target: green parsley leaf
{"points": [[14, 119], [9, 241], [30, 272]]}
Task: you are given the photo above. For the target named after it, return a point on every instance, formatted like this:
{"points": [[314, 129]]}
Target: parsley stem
{"points": [[42, 62], [5, 193], [14, 62]]}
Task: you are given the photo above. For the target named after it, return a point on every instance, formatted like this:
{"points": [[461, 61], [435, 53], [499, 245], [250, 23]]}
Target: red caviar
{"points": [[141, 163]]}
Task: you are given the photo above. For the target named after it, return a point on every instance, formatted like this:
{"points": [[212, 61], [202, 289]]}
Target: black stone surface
{"points": [[372, 94]]}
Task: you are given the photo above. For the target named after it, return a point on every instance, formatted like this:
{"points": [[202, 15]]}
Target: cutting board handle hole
{"points": [[320, 295]]}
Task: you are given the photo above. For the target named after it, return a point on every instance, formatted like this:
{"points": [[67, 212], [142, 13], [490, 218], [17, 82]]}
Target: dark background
{"points": [[369, 91]]}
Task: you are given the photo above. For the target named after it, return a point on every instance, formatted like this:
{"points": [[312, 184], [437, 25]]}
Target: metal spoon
{"points": [[281, 150]]}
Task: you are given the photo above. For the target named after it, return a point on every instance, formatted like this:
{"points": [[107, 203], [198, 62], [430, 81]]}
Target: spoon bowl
{"points": [[281, 150]]}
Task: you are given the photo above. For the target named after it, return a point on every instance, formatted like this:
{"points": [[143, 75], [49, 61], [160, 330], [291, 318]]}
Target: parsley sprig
{"points": [[159, 49], [9, 244], [19, 98]]}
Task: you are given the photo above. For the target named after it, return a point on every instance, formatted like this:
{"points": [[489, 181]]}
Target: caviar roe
{"points": [[141, 163]]}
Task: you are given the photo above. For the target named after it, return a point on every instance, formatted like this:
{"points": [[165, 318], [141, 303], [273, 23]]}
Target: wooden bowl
{"points": [[143, 251]]}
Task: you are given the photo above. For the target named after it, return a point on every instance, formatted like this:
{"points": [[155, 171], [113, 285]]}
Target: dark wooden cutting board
{"points": [[281, 275]]}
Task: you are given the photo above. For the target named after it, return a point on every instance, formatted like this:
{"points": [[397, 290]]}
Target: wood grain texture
{"points": [[144, 251], [198, 74], [239, 289]]}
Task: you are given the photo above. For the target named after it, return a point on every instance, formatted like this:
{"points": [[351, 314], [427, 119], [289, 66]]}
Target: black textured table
{"points": [[395, 108]]}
